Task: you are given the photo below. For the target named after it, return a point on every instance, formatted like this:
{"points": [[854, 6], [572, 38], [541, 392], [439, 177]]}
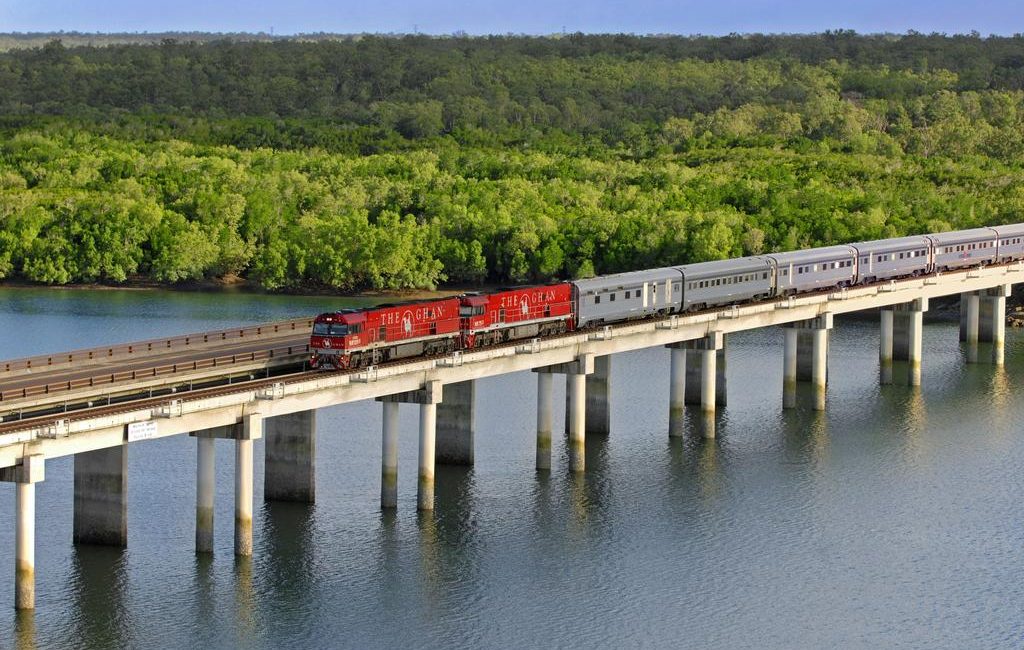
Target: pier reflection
{"points": [[98, 577]]}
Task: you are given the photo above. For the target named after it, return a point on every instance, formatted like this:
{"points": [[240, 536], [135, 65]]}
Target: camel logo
{"points": [[524, 308], [407, 323]]}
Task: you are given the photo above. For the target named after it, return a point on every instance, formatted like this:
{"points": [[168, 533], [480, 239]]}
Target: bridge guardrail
{"points": [[111, 378], [143, 348]]}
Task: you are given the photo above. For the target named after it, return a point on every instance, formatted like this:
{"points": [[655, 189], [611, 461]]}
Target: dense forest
{"points": [[404, 162]]}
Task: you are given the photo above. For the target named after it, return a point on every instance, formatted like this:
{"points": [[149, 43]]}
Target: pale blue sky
{"points": [[518, 16]]}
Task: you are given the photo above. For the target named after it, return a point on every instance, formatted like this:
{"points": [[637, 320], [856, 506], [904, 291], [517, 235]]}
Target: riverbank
{"points": [[240, 285]]}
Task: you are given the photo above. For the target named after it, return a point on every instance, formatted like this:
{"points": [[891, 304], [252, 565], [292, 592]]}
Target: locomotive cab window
{"points": [[465, 310]]}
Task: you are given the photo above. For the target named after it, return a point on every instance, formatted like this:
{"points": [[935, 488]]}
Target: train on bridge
{"points": [[355, 338]]}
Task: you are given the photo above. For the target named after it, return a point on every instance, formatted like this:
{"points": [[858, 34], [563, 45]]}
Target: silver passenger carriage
{"points": [[815, 268], [1011, 242], [953, 250], [626, 296], [707, 284], [884, 259]]}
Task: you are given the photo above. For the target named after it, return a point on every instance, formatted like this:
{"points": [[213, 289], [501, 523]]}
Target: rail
{"points": [[110, 378], [143, 348]]}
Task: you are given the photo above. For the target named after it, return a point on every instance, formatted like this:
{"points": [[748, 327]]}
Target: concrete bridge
{"points": [[243, 401]]}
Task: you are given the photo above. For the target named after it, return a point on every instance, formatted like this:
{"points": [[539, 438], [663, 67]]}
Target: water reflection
{"points": [[98, 578], [289, 561], [25, 629], [204, 588], [245, 601]]}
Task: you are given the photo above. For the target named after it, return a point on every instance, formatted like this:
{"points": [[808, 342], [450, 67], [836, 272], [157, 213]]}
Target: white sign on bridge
{"points": [[141, 430]]}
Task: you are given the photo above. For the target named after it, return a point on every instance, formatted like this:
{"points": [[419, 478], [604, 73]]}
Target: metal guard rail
{"points": [[145, 347], [112, 378]]}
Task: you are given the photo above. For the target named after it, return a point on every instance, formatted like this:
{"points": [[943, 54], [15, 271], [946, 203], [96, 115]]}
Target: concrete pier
{"points": [[428, 432], [598, 391], [25, 546], [251, 429], [243, 497], [693, 386], [544, 403], [455, 423], [885, 347], [575, 389], [992, 320], [428, 398], [290, 457], [205, 487], [819, 366], [806, 353], [789, 354], [25, 476], [101, 497], [705, 377], [907, 333], [576, 407], [677, 391], [970, 304], [389, 456]]}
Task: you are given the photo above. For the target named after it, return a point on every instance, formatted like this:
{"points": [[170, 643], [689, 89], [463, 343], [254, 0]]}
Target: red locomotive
{"points": [[515, 314], [356, 338]]}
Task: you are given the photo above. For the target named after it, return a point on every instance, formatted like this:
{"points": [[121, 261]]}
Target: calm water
{"points": [[895, 519]]}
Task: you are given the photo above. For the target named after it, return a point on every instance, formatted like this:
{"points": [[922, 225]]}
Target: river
{"points": [[894, 519]]}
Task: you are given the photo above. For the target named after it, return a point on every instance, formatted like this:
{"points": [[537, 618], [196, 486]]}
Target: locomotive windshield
{"points": [[329, 329]]}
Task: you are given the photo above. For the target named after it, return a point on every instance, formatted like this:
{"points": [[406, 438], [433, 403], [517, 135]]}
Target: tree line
{"points": [[407, 162]]}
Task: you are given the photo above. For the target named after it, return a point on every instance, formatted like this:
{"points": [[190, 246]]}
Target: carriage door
{"points": [[668, 291], [646, 296]]}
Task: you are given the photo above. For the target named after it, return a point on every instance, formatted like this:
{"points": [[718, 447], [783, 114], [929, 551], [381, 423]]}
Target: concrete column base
{"points": [[885, 338], [428, 432], [25, 546], [389, 456], [455, 423], [599, 397], [251, 429], [25, 476], [789, 357], [101, 497], [544, 405], [677, 392], [575, 389], [290, 457], [205, 488]]}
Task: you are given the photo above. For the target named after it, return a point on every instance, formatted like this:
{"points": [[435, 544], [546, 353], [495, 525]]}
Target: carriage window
{"points": [[611, 297], [785, 271], [597, 300]]}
